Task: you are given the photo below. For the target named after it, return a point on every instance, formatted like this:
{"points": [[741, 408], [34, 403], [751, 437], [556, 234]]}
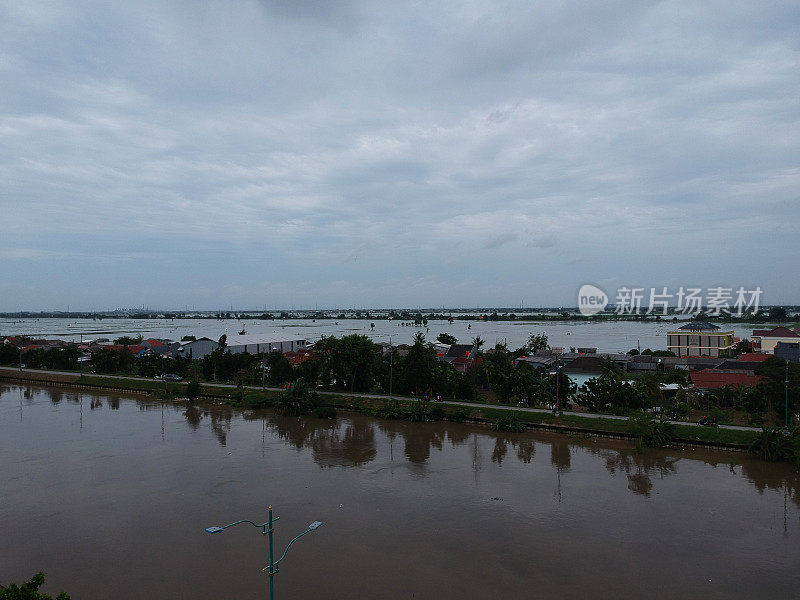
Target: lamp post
{"points": [[786, 398], [264, 374], [555, 412], [391, 366], [267, 529]]}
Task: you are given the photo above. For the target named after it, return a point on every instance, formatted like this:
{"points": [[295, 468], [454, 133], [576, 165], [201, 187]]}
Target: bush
{"points": [[776, 444], [510, 422], [391, 409], [192, 389], [256, 400], [297, 400], [459, 415], [325, 412], [418, 412], [651, 433], [436, 413]]}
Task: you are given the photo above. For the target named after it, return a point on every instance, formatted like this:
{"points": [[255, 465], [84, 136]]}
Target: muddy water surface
{"points": [[110, 496]]}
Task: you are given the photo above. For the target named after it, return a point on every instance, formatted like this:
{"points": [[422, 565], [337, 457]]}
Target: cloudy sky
{"points": [[290, 153]]}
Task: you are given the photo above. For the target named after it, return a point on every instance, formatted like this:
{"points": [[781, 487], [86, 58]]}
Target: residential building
{"points": [[197, 349], [765, 340], [700, 338], [711, 379]]}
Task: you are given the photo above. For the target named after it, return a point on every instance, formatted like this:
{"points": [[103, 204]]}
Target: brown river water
{"points": [[109, 496]]}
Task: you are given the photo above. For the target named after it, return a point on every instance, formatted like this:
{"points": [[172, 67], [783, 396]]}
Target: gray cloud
{"points": [[395, 154]]}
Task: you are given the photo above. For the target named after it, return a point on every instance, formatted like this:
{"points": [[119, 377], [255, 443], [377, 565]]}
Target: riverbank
{"points": [[733, 439]]}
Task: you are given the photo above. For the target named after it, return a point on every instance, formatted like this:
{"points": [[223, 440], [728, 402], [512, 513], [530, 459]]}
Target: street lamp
{"points": [[267, 529], [264, 373], [556, 374], [786, 398]]}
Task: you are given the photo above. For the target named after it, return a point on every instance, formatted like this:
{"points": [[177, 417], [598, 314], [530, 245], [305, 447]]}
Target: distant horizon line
{"points": [[258, 311]]}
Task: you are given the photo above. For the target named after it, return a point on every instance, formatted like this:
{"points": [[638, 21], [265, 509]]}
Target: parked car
{"points": [[172, 377]]}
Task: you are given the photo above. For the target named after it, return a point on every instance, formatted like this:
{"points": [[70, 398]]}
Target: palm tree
{"points": [[611, 370]]}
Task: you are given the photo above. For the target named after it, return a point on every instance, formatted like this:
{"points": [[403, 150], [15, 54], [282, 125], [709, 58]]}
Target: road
{"points": [[384, 397]]}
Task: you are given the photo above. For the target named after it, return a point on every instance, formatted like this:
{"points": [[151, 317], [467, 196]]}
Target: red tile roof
{"points": [[783, 332], [754, 357], [131, 349], [709, 379], [155, 343]]}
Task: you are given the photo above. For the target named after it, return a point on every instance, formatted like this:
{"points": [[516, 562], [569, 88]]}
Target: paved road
{"points": [[384, 397]]}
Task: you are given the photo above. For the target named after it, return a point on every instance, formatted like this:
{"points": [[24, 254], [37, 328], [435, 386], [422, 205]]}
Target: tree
{"points": [[29, 590], [537, 343], [417, 366], [778, 313], [446, 338], [611, 370], [478, 342], [601, 394], [127, 340], [297, 400]]}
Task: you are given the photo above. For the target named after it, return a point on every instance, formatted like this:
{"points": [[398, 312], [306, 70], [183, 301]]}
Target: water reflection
{"points": [[639, 468], [340, 443], [354, 441]]}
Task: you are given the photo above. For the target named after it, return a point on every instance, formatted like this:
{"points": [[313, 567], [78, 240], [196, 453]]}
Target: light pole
{"points": [[264, 373], [786, 398], [391, 366], [267, 529]]}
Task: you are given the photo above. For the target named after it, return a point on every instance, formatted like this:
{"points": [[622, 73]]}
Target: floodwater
{"points": [[611, 336], [109, 496]]}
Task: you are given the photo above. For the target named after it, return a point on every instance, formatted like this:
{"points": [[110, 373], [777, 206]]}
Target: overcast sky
{"points": [[289, 153]]}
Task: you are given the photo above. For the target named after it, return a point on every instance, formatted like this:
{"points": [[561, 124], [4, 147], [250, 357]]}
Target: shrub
{"points": [[510, 422], [776, 444], [325, 412], [436, 413], [192, 389], [391, 409], [256, 400], [418, 412], [297, 400], [651, 433], [459, 415]]}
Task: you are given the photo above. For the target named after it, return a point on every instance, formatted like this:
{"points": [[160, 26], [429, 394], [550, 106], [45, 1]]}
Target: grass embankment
{"points": [[451, 410]]}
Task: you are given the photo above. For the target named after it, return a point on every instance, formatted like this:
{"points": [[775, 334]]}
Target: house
{"points": [[137, 350], [299, 357], [738, 366], [700, 338], [712, 379], [765, 340], [459, 351], [537, 362], [754, 357], [157, 346], [196, 349]]}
